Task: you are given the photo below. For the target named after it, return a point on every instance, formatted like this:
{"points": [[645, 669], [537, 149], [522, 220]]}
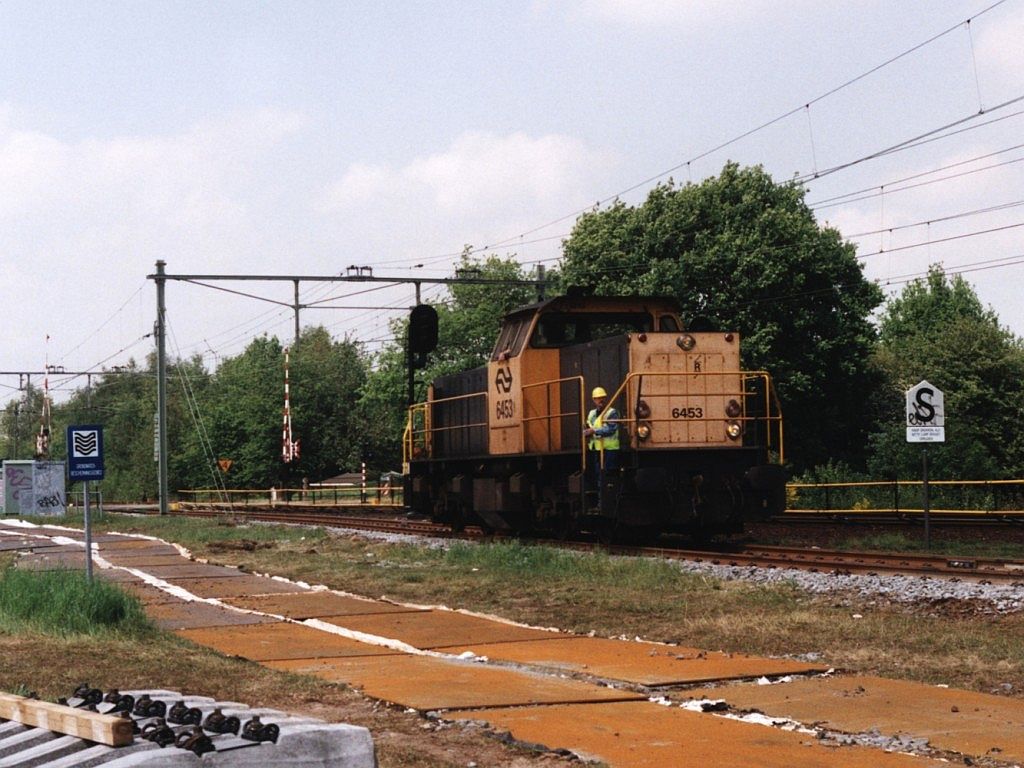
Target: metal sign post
{"points": [[926, 423], [85, 463]]}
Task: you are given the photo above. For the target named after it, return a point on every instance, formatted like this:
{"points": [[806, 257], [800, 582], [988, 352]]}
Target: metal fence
{"points": [[374, 494], [961, 498]]}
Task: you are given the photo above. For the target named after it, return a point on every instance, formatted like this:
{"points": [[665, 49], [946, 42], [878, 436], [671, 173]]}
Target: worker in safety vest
{"points": [[603, 438]]}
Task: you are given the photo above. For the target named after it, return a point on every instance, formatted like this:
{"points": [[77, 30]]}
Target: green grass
{"points": [[898, 541], [190, 532], [518, 560], [65, 603]]}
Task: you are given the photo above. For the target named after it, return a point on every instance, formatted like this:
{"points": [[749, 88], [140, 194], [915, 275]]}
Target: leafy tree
{"points": [[744, 253], [189, 461], [327, 378], [937, 329], [19, 423], [124, 402], [243, 415], [383, 401]]}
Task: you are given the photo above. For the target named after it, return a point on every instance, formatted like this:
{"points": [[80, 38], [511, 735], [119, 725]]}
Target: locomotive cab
{"points": [[502, 445]]}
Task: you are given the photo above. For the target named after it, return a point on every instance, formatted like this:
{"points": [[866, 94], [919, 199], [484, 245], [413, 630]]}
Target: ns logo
{"points": [[504, 407]]}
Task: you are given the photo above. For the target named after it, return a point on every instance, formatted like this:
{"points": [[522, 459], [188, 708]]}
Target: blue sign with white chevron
{"points": [[85, 452]]}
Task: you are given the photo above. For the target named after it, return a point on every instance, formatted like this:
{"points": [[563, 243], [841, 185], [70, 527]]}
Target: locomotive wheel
{"points": [[566, 525], [448, 510], [606, 531]]}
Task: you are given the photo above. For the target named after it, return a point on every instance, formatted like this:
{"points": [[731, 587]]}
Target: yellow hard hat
{"points": [[598, 392]]}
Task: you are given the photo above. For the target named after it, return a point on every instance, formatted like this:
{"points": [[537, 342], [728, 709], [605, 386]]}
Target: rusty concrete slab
{"points": [[154, 548], [43, 547], [113, 541], [185, 569], [646, 664], [114, 574], [182, 614], [146, 562], [425, 682], [233, 586], [101, 539], [137, 552], [147, 593], [973, 724], [280, 640], [11, 545], [316, 603], [646, 735], [439, 629]]}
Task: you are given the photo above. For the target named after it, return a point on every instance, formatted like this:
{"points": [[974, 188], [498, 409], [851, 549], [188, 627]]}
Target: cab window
{"points": [[510, 339], [564, 329], [668, 324]]}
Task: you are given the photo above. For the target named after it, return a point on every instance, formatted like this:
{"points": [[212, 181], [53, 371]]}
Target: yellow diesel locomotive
{"points": [[503, 445]]}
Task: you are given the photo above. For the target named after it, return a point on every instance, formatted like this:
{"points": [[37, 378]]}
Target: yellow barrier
{"points": [[965, 498], [376, 494]]}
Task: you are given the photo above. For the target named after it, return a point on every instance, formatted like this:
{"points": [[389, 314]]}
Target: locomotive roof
{"points": [[599, 304]]}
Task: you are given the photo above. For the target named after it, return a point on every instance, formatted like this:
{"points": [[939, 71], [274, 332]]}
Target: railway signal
{"points": [[289, 446]]}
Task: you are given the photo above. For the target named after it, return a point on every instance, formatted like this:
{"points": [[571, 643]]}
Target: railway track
{"points": [[840, 562], [761, 556]]}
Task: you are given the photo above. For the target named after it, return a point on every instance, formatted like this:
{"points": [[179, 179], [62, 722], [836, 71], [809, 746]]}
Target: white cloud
{"points": [[1000, 52], [479, 172], [677, 14], [482, 188], [82, 222], [176, 181]]}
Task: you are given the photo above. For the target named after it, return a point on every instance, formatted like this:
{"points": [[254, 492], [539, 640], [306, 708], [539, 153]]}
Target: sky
{"points": [[302, 138]]}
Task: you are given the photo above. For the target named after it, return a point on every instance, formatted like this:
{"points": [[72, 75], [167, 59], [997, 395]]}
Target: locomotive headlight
{"points": [[643, 410], [686, 342], [732, 409], [734, 429], [643, 431]]}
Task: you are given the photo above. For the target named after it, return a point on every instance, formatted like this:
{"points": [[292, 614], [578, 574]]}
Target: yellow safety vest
{"points": [[608, 442]]}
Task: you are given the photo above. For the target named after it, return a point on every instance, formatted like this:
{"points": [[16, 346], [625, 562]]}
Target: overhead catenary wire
{"points": [[1005, 261], [891, 182], [951, 238], [279, 319], [104, 324], [804, 104], [876, 191], [883, 189], [935, 134], [197, 419], [939, 219], [97, 367]]}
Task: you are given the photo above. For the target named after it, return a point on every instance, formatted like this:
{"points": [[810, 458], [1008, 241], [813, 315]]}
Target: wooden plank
{"points": [[102, 729]]}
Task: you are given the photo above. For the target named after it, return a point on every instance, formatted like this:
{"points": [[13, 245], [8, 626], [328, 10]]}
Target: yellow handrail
{"points": [[548, 417], [410, 432]]}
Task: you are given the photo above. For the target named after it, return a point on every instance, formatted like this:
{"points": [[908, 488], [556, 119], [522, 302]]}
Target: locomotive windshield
{"points": [[562, 329], [510, 340]]}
